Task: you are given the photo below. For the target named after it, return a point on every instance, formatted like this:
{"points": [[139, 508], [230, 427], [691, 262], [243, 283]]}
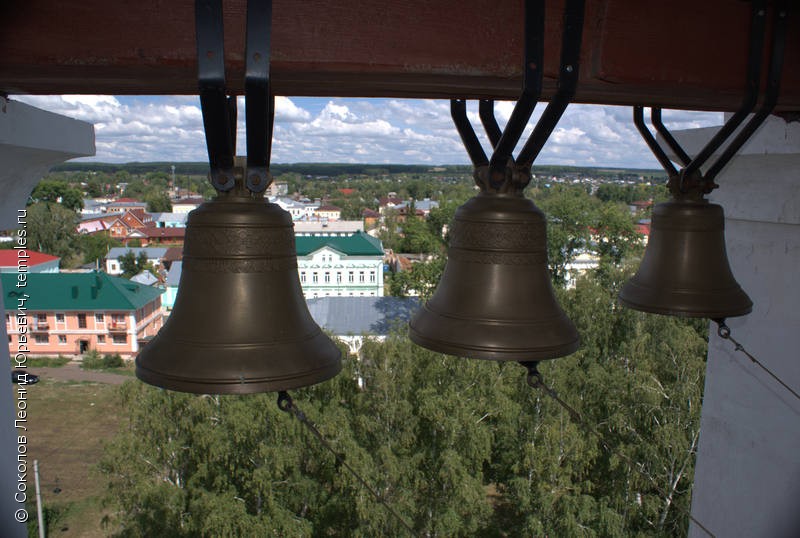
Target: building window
{"points": [[101, 339], [372, 276], [327, 277], [62, 339], [361, 276], [59, 318], [81, 321], [314, 278], [41, 339], [99, 318], [41, 319], [350, 277], [338, 277], [120, 338], [8, 318], [303, 277]]}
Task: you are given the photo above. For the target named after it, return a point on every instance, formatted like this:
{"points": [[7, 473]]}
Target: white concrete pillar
{"points": [[31, 141], [747, 478]]}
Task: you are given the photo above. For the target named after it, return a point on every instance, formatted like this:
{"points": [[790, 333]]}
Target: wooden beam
{"points": [[677, 54]]}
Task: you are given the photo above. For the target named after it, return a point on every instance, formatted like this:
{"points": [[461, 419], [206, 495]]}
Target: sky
{"points": [[355, 130]]}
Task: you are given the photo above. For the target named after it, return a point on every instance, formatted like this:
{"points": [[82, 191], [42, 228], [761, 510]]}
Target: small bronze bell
{"points": [[240, 323], [495, 300], [685, 270]]}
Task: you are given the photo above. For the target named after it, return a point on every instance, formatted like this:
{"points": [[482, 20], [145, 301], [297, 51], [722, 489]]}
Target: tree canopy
{"points": [[458, 447]]}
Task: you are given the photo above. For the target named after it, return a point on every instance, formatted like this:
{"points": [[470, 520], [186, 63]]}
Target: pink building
{"points": [[71, 313]]}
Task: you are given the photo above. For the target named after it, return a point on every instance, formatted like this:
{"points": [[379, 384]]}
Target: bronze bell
{"points": [[495, 300], [685, 270], [240, 322]]}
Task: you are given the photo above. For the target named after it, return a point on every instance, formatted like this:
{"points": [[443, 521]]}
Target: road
{"points": [[72, 372]]}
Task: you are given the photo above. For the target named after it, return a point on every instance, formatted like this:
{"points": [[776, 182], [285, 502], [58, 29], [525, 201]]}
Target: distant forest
{"points": [[338, 169]]}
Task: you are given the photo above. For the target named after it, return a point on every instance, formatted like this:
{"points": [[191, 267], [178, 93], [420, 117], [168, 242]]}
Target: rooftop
{"points": [[9, 258], [358, 244], [76, 291], [362, 315]]}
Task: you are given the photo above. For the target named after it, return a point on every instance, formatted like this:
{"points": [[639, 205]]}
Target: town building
{"points": [[154, 255], [71, 313], [170, 220], [350, 266], [356, 319], [328, 228], [12, 261], [184, 205], [328, 213]]}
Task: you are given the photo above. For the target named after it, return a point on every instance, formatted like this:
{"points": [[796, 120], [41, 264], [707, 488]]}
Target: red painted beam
{"points": [[681, 54]]}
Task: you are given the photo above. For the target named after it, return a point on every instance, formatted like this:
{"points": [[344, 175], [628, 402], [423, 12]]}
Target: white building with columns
{"points": [[349, 266]]}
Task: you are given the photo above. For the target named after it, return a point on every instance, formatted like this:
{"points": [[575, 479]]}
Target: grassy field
{"points": [[67, 425]]}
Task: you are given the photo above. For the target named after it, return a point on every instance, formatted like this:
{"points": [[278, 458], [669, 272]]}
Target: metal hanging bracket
{"points": [[219, 110], [689, 181], [502, 173]]}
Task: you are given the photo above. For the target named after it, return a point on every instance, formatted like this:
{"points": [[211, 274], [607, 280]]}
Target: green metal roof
{"points": [[76, 291], [358, 244]]}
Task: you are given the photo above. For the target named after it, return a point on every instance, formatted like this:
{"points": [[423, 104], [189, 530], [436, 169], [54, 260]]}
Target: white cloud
{"points": [[170, 128]]}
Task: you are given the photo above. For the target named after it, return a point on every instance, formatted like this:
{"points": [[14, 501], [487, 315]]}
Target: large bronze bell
{"points": [[240, 323], [495, 300], [685, 270]]}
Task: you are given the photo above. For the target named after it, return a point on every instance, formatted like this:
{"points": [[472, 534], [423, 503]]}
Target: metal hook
{"points": [[219, 112], [486, 111], [752, 78], [567, 82], [655, 118], [771, 96], [458, 111], [260, 103], [504, 141]]}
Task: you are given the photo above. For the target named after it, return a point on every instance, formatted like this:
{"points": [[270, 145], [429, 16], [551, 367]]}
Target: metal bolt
{"points": [[568, 68]]}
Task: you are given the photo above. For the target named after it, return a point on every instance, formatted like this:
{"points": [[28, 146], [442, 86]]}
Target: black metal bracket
{"points": [[689, 178], [504, 141], [219, 109]]}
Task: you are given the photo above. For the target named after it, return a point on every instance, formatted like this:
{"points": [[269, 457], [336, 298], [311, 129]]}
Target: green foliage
{"points": [[51, 229], [458, 447], [158, 201], [132, 265], [55, 191], [92, 360], [421, 279], [46, 362], [96, 246]]}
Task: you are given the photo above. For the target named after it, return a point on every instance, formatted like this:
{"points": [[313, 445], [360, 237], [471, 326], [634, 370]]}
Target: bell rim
{"points": [[492, 354], [654, 308], [251, 385]]}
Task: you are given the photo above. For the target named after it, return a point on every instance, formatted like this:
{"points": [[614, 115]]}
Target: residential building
{"points": [[13, 260], [350, 266], [154, 255], [173, 279], [328, 228], [184, 205], [71, 313], [328, 212], [123, 205], [356, 319], [170, 220], [297, 209]]}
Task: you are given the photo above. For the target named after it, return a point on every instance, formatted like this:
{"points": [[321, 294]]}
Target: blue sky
{"points": [[350, 130]]}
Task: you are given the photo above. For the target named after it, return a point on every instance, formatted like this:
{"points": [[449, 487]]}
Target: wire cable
{"points": [[285, 403], [724, 332], [535, 381]]}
